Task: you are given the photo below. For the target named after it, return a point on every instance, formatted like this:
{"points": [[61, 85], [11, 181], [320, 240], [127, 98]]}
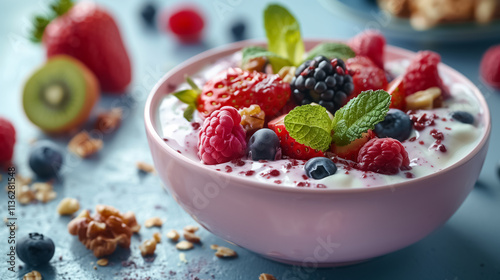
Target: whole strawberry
{"points": [[422, 73], [367, 76], [221, 138], [490, 66], [238, 88], [7, 140], [371, 44], [89, 33], [383, 155]]}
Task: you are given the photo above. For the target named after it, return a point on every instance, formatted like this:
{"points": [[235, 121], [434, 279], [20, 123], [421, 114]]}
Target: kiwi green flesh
{"points": [[55, 95]]}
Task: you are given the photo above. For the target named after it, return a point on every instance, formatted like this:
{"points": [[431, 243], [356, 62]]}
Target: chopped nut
{"points": [[44, 192], [173, 235], [148, 247], [191, 228], [108, 121], [265, 276], [252, 118], [287, 73], [68, 206], [25, 195], [95, 267], [424, 99], [157, 237], [191, 237], [102, 262], [153, 222], [83, 145], [182, 258], [255, 64], [105, 230], [145, 167], [33, 275], [184, 245], [223, 252]]}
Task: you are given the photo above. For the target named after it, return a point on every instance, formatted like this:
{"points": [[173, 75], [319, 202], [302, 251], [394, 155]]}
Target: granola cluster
{"points": [[105, 230]]}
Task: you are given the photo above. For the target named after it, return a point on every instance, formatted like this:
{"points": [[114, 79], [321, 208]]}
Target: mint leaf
{"points": [[310, 125], [283, 33], [332, 50], [277, 62], [359, 115]]}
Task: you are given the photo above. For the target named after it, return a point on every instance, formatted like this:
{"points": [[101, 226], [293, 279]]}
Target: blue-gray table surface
{"points": [[466, 247]]}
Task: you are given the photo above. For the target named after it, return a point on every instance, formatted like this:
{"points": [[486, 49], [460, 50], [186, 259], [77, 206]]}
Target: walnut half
{"points": [[105, 230]]}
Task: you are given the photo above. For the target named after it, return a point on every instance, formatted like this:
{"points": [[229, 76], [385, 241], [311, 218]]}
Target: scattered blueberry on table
{"points": [[238, 31], [148, 13], [45, 159], [35, 249]]}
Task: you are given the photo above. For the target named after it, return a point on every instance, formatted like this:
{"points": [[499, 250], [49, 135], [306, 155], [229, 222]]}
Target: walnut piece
{"points": [[25, 195], [145, 167], [173, 235], [33, 275], [223, 252], [68, 206], [184, 245], [102, 262], [252, 118], [105, 230], [148, 247], [108, 122], [83, 145], [256, 64], [191, 228], [153, 222], [191, 237], [265, 276]]}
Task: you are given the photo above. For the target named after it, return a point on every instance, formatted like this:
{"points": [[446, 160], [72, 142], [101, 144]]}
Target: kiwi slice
{"points": [[60, 95]]}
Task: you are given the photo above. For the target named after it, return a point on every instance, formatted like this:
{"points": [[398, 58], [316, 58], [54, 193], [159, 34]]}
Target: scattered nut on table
{"points": [[68, 206], [148, 247], [191, 228], [184, 245], [191, 237], [173, 235], [83, 145], [223, 252], [109, 121], [153, 222], [265, 276], [145, 167], [33, 275], [102, 262], [105, 230]]}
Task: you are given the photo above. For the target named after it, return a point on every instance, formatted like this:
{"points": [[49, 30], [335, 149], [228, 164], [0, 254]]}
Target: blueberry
{"points": [[35, 249], [264, 145], [319, 168], [45, 159], [238, 30], [396, 125], [148, 13], [463, 117]]}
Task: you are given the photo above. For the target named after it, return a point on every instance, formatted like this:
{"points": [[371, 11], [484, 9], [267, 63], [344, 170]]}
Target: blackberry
{"points": [[326, 82]]}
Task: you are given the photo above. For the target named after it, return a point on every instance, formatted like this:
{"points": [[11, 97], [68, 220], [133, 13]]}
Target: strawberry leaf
{"points": [[360, 114], [310, 125], [189, 97], [40, 22]]}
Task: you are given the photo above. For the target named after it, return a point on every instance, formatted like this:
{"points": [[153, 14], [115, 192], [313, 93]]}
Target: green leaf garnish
{"points": [[277, 62], [189, 97], [283, 34], [359, 115], [40, 22], [332, 50], [310, 125]]}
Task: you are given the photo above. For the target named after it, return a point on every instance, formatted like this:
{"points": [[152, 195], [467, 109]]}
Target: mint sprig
{"points": [[276, 61], [311, 125], [40, 22], [189, 97], [359, 115], [332, 50], [283, 34]]}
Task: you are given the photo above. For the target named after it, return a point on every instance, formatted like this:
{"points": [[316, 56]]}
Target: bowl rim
{"points": [[150, 115]]}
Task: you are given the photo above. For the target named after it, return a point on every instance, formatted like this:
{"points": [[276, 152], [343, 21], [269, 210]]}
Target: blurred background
{"points": [[467, 247]]}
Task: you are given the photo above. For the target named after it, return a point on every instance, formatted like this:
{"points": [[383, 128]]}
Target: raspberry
{"points": [[383, 155], [423, 74], [371, 44], [490, 66], [221, 138], [7, 140], [187, 23]]}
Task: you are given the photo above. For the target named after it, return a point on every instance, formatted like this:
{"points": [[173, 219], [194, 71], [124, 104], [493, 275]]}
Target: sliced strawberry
{"points": [[350, 152], [371, 44], [366, 75], [397, 90], [289, 146]]}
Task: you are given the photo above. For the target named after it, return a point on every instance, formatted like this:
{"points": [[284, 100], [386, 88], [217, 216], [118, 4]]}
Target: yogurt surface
{"points": [[439, 142]]}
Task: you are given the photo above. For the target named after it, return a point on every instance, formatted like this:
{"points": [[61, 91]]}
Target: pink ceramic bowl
{"points": [[312, 227]]}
